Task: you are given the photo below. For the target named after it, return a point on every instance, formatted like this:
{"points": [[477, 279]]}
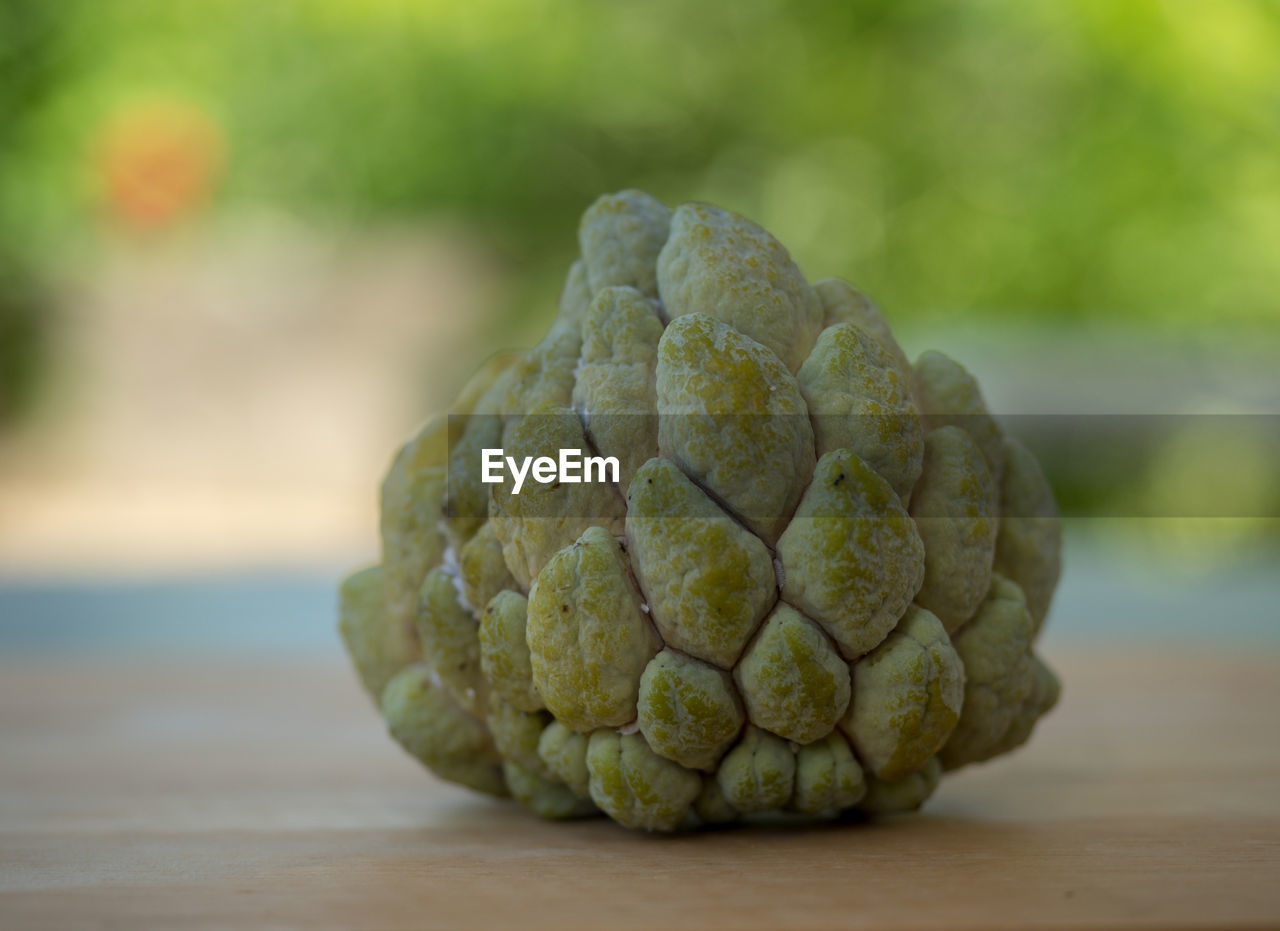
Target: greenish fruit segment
{"points": [[451, 742], [635, 786], [689, 711]]}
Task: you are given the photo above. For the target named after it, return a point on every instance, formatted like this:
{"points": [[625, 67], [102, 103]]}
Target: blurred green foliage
{"points": [[1082, 157], [1074, 161], [27, 76]]}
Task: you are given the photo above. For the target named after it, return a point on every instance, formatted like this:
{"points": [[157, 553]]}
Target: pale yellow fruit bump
{"points": [[955, 509], [949, 396], [516, 734], [732, 417], [906, 794], [564, 754], [1000, 676], [451, 743], [482, 568], [588, 639], [636, 787], [450, 641], [411, 508], [708, 581], [472, 431], [860, 401], [545, 376], [1029, 543], [379, 646], [843, 303], [907, 695], [1041, 698], [546, 798], [504, 651], [828, 778], [615, 390], [718, 263], [688, 711], [575, 297], [621, 235], [793, 682], [758, 774], [851, 558]]}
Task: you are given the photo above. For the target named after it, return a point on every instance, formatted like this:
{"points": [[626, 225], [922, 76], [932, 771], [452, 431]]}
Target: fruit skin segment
{"points": [[851, 557], [814, 589], [589, 642], [732, 417], [689, 711], [793, 681], [707, 608], [907, 697], [954, 508]]}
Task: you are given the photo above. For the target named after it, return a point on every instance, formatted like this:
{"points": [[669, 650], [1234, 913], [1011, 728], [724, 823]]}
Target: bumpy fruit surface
{"points": [[814, 587]]}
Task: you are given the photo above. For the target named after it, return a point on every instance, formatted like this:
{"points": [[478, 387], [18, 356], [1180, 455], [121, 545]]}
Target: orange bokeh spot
{"points": [[158, 162]]}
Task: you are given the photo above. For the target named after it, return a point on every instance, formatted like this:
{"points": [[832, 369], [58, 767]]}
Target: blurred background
{"points": [[246, 247]]}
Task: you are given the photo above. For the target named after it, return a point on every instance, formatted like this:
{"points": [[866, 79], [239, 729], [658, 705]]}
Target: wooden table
{"points": [[229, 793]]}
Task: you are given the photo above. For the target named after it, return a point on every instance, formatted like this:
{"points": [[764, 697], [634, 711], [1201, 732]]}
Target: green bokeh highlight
{"points": [[1070, 159]]}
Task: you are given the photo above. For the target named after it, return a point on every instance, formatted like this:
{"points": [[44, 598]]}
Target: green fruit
{"points": [[814, 585]]}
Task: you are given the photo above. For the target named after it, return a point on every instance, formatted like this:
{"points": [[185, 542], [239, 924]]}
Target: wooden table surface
{"points": [[229, 793]]}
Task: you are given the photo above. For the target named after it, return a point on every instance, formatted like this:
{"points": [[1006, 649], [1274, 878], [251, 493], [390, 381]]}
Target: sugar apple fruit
{"points": [[813, 586]]}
